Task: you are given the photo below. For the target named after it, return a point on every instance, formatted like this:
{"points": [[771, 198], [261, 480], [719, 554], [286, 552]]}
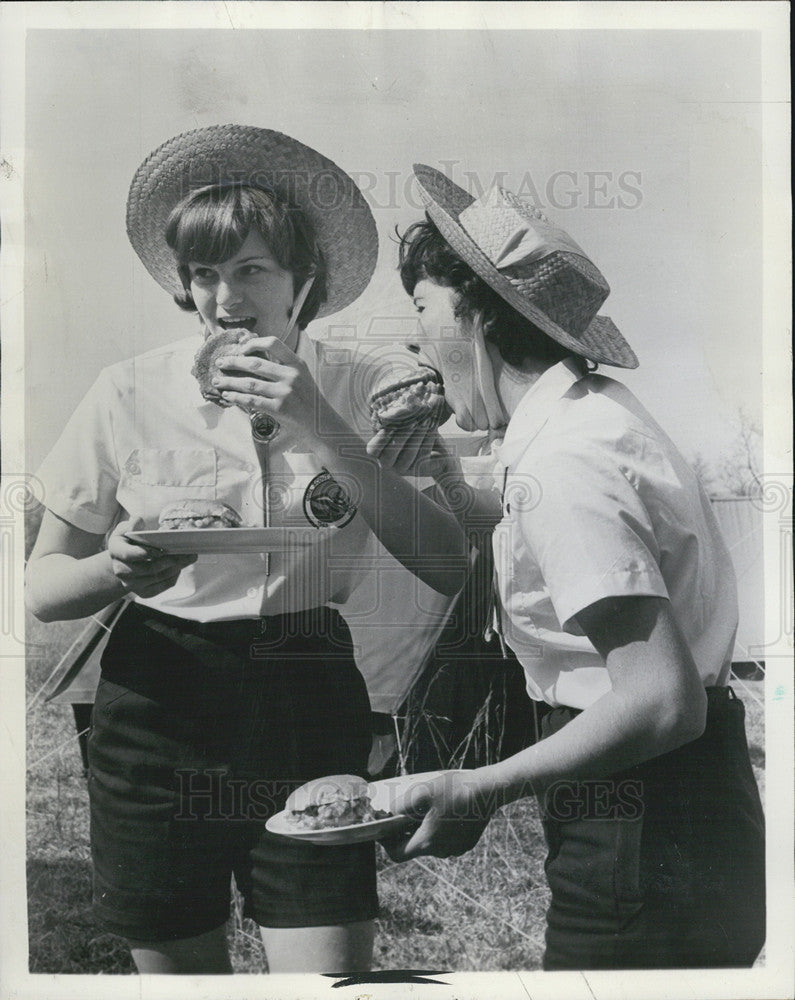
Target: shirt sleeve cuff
{"points": [[628, 583], [85, 520]]}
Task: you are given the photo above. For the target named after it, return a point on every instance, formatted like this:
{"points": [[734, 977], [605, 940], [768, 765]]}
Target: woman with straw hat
{"points": [[616, 593], [229, 678]]}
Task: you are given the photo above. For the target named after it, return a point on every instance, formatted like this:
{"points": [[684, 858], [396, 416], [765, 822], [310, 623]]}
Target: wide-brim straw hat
{"points": [[534, 265], [223, 154]]}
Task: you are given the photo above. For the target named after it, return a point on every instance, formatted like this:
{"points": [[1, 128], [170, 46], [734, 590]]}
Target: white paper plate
{"points": [[229, 540], [335, 835], [382, 796]]}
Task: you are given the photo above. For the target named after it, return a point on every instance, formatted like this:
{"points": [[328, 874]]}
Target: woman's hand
{"points": [[453, 808], [72, 574], [145, 572], [412, 451], [278, 384]]}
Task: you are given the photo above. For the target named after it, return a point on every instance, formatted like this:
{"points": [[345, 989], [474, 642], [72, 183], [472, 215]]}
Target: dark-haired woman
{"points": [[229, 678], [617, 595]]}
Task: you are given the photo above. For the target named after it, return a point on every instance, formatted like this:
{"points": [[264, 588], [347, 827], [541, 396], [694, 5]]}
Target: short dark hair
{"points": [[211, 223], [425, 253]]}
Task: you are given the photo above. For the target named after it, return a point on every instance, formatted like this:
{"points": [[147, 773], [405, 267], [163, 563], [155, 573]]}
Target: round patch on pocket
{"points": [[326, 503]]}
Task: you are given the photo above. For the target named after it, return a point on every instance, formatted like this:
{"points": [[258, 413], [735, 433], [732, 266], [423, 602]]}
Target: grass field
{"points": [[484, 911]]}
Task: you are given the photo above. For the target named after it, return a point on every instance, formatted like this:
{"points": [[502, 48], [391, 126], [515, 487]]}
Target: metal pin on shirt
{"points": [[264, 427]]}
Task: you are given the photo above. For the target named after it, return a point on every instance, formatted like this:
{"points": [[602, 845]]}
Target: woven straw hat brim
{"points": [[343, 223], [444, 200]]}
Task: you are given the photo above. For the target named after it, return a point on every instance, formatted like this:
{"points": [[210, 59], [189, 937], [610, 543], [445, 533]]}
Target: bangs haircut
{"points": [[425, 253], [211, 224]]}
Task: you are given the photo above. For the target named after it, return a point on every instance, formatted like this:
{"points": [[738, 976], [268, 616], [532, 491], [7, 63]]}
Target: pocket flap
{"points": [[173, 466]]}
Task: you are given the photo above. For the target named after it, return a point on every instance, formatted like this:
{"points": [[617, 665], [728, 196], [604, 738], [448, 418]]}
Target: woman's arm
{"points": [[424, 537], [69, 575], [657, 701], [656, 704]]}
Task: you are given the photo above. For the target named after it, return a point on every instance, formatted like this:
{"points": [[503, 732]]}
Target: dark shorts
{"points": [[199, 734], [662, 865]]}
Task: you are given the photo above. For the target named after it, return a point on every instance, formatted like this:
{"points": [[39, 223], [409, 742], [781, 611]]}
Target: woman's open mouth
{"points": [[235, 322]]}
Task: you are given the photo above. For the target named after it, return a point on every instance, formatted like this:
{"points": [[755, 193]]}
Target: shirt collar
{"points": [[533, 410]]}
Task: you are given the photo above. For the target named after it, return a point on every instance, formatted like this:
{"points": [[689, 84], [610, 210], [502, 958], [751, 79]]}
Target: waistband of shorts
{"points": [[305, 622]]}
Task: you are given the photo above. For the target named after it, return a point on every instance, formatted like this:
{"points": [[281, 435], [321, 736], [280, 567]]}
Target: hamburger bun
{"points": [[409, 398], [221, 344], [189, 514], [332, 801]]}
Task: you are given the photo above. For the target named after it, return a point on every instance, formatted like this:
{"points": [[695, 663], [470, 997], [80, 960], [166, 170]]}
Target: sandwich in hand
{"points": [[334, 801], [188, 514], [409, 399], [223, 344]]}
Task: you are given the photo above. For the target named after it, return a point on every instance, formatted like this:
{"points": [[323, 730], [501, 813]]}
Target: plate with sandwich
{"points": [[209, 526], [344, 809]]}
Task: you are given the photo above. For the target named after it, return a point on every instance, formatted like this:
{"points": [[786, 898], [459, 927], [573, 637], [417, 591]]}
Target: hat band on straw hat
{"points": [[533, 264], [559, 289]]}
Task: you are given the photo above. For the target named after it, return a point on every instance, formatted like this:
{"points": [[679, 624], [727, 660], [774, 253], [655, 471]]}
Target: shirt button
{"points": [[252, 591]]}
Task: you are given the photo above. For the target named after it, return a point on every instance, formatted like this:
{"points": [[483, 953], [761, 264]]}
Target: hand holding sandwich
{"points": [[262, 375], [407, 407], [265, 376], [415, 530]]}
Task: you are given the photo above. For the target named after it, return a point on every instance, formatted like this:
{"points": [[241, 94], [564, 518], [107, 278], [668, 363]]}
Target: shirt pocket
{"points": [[151, 478]]}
